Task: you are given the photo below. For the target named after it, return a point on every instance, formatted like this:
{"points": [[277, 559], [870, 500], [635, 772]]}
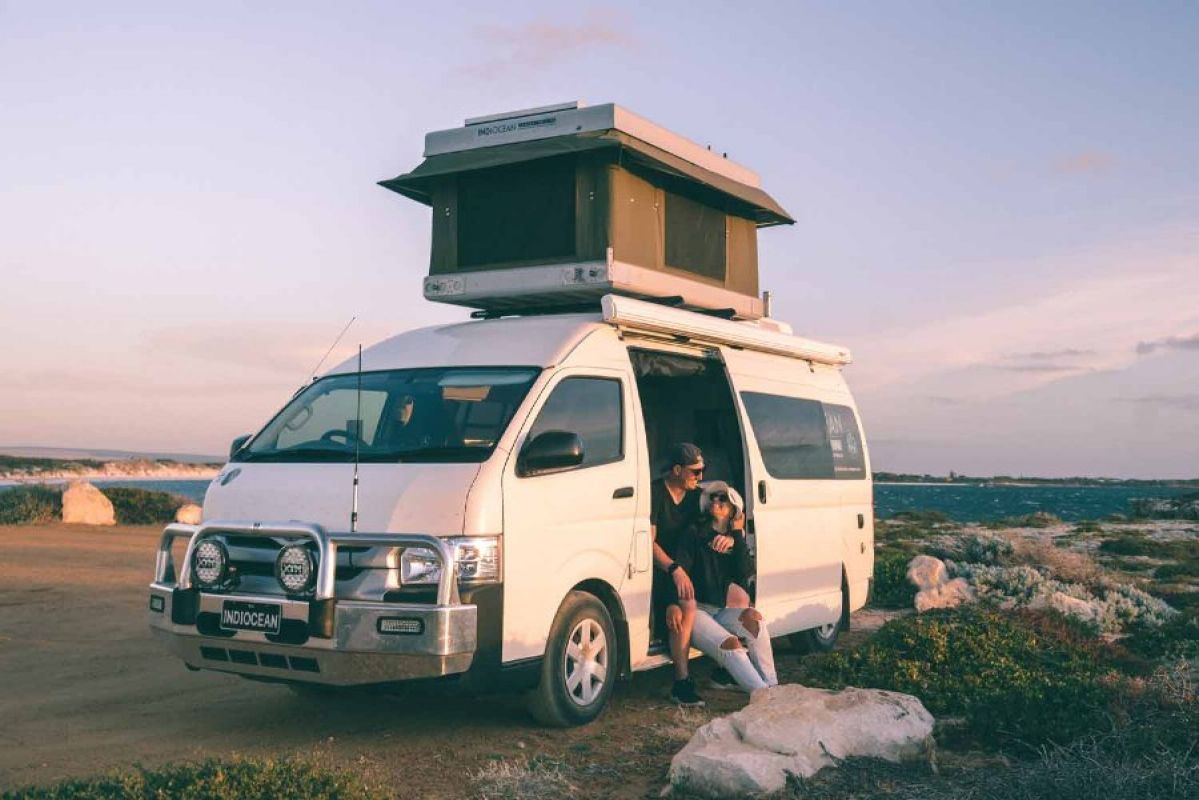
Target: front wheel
{"points": [[579, 668]]}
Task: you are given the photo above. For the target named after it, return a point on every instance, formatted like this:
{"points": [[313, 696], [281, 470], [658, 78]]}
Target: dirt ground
{"points": [[84, 689]]}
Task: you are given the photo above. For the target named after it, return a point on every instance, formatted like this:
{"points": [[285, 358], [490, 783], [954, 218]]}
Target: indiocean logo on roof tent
{"points": [[508, 127]]}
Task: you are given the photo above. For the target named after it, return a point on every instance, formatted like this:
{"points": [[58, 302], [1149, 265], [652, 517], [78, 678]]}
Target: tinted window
{"points": [[695, 237], [452, 414], [591, 408], [845, 440], [521, 212]]}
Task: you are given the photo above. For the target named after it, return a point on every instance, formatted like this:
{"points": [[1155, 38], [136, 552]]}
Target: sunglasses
{"points": [[696, 471], [720, 498]]}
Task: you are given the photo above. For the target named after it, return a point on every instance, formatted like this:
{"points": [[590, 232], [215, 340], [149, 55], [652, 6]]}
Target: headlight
{"points": [[210, 564], [295, 569], [477, 559]]}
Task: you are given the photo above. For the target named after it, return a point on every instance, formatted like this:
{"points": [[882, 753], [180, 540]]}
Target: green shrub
{"points": [[236, 779], [892, 589], [1177, 638], [1126, 545], [143, 506], [1182, 569], [34, 504], [1037, 519], [1019, 675]]}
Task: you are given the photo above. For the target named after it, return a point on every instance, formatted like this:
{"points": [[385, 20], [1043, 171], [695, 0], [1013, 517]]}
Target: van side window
{"points": [[849, 460], [792, 436], [591, 408]]}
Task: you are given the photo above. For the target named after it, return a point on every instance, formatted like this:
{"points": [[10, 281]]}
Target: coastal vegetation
{"points": [[22, 468], [38, 504], [213, 779]]}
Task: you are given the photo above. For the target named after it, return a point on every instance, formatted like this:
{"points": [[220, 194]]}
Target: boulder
{"points": [[85, 504], [927, 572], [190, 514], [950, 594], [797, 730]]}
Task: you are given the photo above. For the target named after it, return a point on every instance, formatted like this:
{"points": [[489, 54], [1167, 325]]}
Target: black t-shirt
{"points": [[671, 519], [712, 572]]}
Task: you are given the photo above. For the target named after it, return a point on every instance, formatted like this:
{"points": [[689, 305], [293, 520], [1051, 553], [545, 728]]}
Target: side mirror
{"points": [[238, 444], [550, 451]]}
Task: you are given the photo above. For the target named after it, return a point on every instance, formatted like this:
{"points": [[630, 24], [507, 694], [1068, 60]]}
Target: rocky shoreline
{"points": [[113, 470]]}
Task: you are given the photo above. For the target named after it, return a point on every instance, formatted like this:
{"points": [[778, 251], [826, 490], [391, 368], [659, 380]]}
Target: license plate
{"points": [[262, 617]]}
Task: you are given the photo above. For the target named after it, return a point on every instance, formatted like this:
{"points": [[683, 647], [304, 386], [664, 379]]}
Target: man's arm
{"points": [[682, 582]]}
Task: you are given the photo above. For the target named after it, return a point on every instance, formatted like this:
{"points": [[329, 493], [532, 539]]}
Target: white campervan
{"points": [[470, 502]]}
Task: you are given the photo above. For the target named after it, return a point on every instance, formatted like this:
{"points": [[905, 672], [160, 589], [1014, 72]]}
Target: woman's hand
{"points": [[721, 544], [682, 585]]}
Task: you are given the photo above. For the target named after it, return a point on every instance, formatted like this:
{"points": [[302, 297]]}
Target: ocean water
{"points": [[960, 502]]}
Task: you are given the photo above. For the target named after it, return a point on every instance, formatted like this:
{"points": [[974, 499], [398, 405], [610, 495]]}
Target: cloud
{"points": [[1052, 355], [1185, 402], [1044, 368], [540, 44], [1084, 163], [1169, 343]]}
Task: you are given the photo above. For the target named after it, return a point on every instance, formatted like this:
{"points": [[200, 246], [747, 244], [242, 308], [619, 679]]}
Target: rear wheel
{"points": [[579, 668], [817, 640]]}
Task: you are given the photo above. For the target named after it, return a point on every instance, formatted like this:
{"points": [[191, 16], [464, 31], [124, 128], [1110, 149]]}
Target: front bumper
{"points": [[323, 640]]}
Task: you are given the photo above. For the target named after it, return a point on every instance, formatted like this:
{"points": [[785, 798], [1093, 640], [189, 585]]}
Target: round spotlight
{"points": [[210, 563], [295, 569]]}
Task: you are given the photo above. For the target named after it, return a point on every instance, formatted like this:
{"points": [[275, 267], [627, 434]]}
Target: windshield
{"points": [[409, 415]]}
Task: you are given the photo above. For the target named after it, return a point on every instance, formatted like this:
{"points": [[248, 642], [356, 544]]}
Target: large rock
{"points": [[87, 505], [927, 572], [190, 514], [950, 594], [796, 730]]}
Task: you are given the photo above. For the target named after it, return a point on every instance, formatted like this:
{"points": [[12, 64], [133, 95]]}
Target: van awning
{"points": [[630, 152]]}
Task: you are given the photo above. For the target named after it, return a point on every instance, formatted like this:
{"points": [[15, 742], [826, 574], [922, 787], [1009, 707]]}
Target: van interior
{"points": [[687, 398]]}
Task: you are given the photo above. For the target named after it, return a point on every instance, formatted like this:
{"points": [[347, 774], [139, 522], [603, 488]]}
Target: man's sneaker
{"points": [[684, 694], [722, 681]]}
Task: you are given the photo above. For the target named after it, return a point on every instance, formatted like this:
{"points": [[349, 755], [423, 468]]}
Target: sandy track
{"points": [[84, 688]]}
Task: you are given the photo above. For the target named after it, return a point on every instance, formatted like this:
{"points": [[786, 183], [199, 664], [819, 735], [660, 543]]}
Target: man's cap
{"points": [[684, 454]]}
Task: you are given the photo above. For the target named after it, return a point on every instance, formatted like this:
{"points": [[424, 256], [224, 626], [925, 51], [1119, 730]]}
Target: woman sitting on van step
{"points": [[726, 628]]}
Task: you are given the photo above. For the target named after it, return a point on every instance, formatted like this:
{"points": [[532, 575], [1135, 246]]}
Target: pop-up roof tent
{"points": [[554, 207]]}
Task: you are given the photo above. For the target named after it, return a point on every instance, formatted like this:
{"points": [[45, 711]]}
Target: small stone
{"points": [[189, 514], [948, 595]]}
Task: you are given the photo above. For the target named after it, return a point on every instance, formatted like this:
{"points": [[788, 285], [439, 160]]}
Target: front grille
{"points": [[252, 659]]}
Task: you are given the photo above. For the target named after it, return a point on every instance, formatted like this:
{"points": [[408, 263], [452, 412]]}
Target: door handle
{"points": [[762, 492], [622, 493], [861, 521]]}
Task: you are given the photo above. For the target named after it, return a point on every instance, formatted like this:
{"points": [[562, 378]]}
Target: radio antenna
{"points": [[357, 443], [317, 368]]}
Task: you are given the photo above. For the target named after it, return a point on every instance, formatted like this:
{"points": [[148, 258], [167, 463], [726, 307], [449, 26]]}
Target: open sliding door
{"points": [[793, 498]]}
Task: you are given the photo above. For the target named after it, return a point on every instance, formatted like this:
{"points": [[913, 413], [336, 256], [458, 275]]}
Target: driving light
{"points": [[295, 569], [477, 559], [210, 564]]}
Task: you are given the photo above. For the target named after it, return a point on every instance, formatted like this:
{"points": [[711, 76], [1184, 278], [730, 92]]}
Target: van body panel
{"points": [[798, 530], [566, 527], [392, 498], [539, 341]]}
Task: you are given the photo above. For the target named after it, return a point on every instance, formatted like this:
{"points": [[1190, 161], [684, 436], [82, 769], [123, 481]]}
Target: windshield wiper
{"points": [[322, 454]]}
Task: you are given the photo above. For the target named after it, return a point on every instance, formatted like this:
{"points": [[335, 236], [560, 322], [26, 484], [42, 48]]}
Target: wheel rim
{"points": [[585, 663]]}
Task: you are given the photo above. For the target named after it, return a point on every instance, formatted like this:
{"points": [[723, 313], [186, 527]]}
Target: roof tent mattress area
{"points": [[561, 205]]}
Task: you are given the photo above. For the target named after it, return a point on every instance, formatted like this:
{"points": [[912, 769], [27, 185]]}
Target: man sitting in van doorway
{"points": [[674, 507]]}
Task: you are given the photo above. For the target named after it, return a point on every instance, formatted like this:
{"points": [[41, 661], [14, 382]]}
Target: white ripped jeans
{"points": [[752, 663]]}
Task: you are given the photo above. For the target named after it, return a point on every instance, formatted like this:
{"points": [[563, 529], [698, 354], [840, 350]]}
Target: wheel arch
{"points": [[608, 595]]}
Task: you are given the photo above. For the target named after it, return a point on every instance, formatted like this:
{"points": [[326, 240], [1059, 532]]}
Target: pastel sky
{"points": [[997, 204]]}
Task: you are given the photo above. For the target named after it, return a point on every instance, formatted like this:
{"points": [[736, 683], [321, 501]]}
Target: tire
{"points": [[580, 668], [816, 640], [824, 638]]}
